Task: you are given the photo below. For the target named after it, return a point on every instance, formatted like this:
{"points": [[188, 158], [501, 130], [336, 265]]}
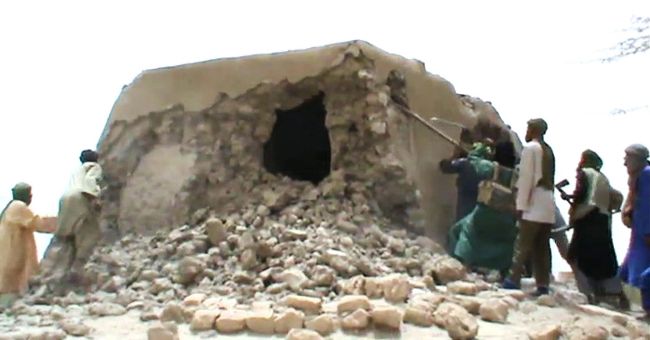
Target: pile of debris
{"points": [[320, 261]]}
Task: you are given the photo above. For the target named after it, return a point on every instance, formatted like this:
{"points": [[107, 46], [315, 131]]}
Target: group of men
{"points": [[77, 216], [486, 235]]}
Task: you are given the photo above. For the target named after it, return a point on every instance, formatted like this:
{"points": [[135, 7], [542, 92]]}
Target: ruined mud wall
{"points": [[165, 166], [190, 137]]}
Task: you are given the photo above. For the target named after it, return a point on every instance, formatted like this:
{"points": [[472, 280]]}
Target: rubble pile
{"points": [[321, 264]]}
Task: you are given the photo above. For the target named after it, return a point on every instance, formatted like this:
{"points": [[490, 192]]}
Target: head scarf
{"points": [[638, 150], [480, 150], [504, 154], [88, 156], [590, 159], [642, 153], [539, 125], [20, 192]]}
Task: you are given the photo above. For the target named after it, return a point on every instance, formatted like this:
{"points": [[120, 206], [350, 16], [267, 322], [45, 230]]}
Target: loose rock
{"points": [[323, 324], [387, 316], [351, 303], [303, 334], [460, 325], [549, 332], [231, 321], [204, 320], [494, 310], [288, 320], [304, 303], [462, 287], [358, 320], [262, 322], [172, 312], [106, 309], [75, 327]]}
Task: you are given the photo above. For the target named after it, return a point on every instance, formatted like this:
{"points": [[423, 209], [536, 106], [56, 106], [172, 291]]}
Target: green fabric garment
{"points": [[480, 150], [484, 238], [20, 192]]}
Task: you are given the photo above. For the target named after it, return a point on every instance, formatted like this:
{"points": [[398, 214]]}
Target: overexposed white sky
{"points": [[63, 64]]}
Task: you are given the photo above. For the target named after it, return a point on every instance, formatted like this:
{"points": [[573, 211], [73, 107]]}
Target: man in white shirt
{"points": [[535, 208], [78, 222]]}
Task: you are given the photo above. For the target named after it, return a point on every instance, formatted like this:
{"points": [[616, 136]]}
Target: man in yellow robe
{"points": [[18, 259]]}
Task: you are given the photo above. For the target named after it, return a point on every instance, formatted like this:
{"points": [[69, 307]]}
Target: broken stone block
{"points": [[162, 332], [295, 278], [547, 300], [374, 287], [188, 269], [471, 304], [288, 320], [305, 303], [323, 324], [75, 327], [418, 315], [355, 286], [106, 309], [494, 310], [303, 334], [548, 332], [357, 320], [261, 321], [347, 226], [323, 275], [462, 287], [172, 312], [216, 231], [248, 259], [194, 300], [351, 303], [396, 288], [587, 329], [619, 331], [204, 320], [456, 320], [446, 269], [231, 321], [389, 317]]}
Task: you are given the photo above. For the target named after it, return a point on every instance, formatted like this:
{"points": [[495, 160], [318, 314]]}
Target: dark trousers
{"points": [[532, 241]]}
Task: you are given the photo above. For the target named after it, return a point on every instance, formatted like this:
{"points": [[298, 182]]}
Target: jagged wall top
{"points": [[196, 85]]}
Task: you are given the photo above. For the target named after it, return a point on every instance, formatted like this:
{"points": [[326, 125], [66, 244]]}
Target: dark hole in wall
{"points": [[299, 146]]}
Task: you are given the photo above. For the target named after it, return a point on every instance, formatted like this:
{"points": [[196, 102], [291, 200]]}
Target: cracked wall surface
{"points": [[186, 140]]}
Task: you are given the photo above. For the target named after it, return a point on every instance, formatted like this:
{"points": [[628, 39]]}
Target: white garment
{"points": [[86, 179], [536, 203]]}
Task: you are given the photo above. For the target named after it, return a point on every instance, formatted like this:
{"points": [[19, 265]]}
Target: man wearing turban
{"points": [[635, 269], [78, 227], [18, 259]]}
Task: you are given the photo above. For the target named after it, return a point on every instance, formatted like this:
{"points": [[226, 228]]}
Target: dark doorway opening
{"points": [[299, 146]]}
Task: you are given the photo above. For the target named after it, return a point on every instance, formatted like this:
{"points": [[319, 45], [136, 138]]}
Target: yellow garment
{"points": [[18, 259], [75, 207]]}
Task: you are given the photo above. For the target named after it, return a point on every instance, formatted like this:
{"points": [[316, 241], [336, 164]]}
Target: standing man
{"points": [[535, 209], [635, 269]]}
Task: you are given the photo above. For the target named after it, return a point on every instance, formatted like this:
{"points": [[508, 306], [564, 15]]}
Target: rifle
{"points": [[560, 187]]}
